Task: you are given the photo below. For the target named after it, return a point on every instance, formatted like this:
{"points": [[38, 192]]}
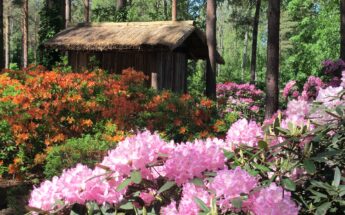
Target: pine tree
{"points": [[272, 75], [212, 48]]}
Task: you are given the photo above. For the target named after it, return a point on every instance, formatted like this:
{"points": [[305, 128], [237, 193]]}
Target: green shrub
{"points": [[87, 150]]}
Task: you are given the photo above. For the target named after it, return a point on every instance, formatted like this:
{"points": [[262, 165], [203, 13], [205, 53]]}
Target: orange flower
{"points": [[12, 169], [206, 103], [1, 162], [186, 97], [70, 120], [87, 123], [204, 134], [40, 158], [183, 130], [177, 122]]}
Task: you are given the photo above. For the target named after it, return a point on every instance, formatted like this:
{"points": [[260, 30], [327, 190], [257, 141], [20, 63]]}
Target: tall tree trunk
{"points": [[342, 29], [25, 32], [2, 62], [68, 17], [87, 11], [120, 4], [244, 57], [255, 42], [165, 8], [211, 27], [272, 75], [174, 10], [7, 33]]}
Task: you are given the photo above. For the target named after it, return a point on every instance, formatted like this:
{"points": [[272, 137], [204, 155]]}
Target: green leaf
{"points": [[201, 205], [228, 154], [339, 111], [262, 167], [283, 130], [309, 166], [168, 185], [127, 206], [123, 185], [322, 210], [136, 177], [263, 145], [289, 184], [237, 203], [198, 182], [318, 194], [337, 177]]}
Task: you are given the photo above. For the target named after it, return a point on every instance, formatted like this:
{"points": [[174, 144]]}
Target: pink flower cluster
{"points": [[243, 132], [81, 184], [329, 99], [244, 99], [190, 160], [137, 153], [290, 90], [272, 200], [230, 184], [343, 79], [159, 160], [188, 205], [311, 88]]}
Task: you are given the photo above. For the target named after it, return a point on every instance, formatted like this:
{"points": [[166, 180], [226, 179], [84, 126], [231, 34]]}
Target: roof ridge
{"points": [[103, 24]]}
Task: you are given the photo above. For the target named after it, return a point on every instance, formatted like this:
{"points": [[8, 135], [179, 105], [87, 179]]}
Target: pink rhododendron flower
{"points": [[148, 197], [189, 160], [329, 98], [343, 79], [297, 110], [272, 200], [311, 88], [243, 132], [101, 187], [230, 184], [170, 209], [136, 153], [254, 108], [187, 205], [288, 88], [46, 195], [73, 182]]}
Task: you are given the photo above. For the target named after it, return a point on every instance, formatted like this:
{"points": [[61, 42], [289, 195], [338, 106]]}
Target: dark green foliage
{"points": [[87, 150], [52, 21]]}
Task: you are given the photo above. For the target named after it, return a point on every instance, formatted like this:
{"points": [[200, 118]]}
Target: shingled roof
{"points": [[133, 35]]}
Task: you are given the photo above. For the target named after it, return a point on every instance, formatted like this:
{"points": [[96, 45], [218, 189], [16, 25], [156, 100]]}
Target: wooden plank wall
{"points": [[170, 67]]}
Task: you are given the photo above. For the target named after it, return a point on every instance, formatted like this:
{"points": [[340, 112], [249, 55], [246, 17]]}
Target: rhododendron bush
{"points": [[40, 109], [290, 164], [240, 101]]}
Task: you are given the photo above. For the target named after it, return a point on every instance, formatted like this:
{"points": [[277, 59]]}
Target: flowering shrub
{"points": [[291, 165], [182, 118], [244, 100], [41, 108]]}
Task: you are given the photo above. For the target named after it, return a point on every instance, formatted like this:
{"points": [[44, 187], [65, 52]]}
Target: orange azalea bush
{"points": [[182, 117], [40, 108]]}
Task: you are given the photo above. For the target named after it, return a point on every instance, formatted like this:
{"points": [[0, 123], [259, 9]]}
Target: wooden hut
{"points": [[159, 49]]}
